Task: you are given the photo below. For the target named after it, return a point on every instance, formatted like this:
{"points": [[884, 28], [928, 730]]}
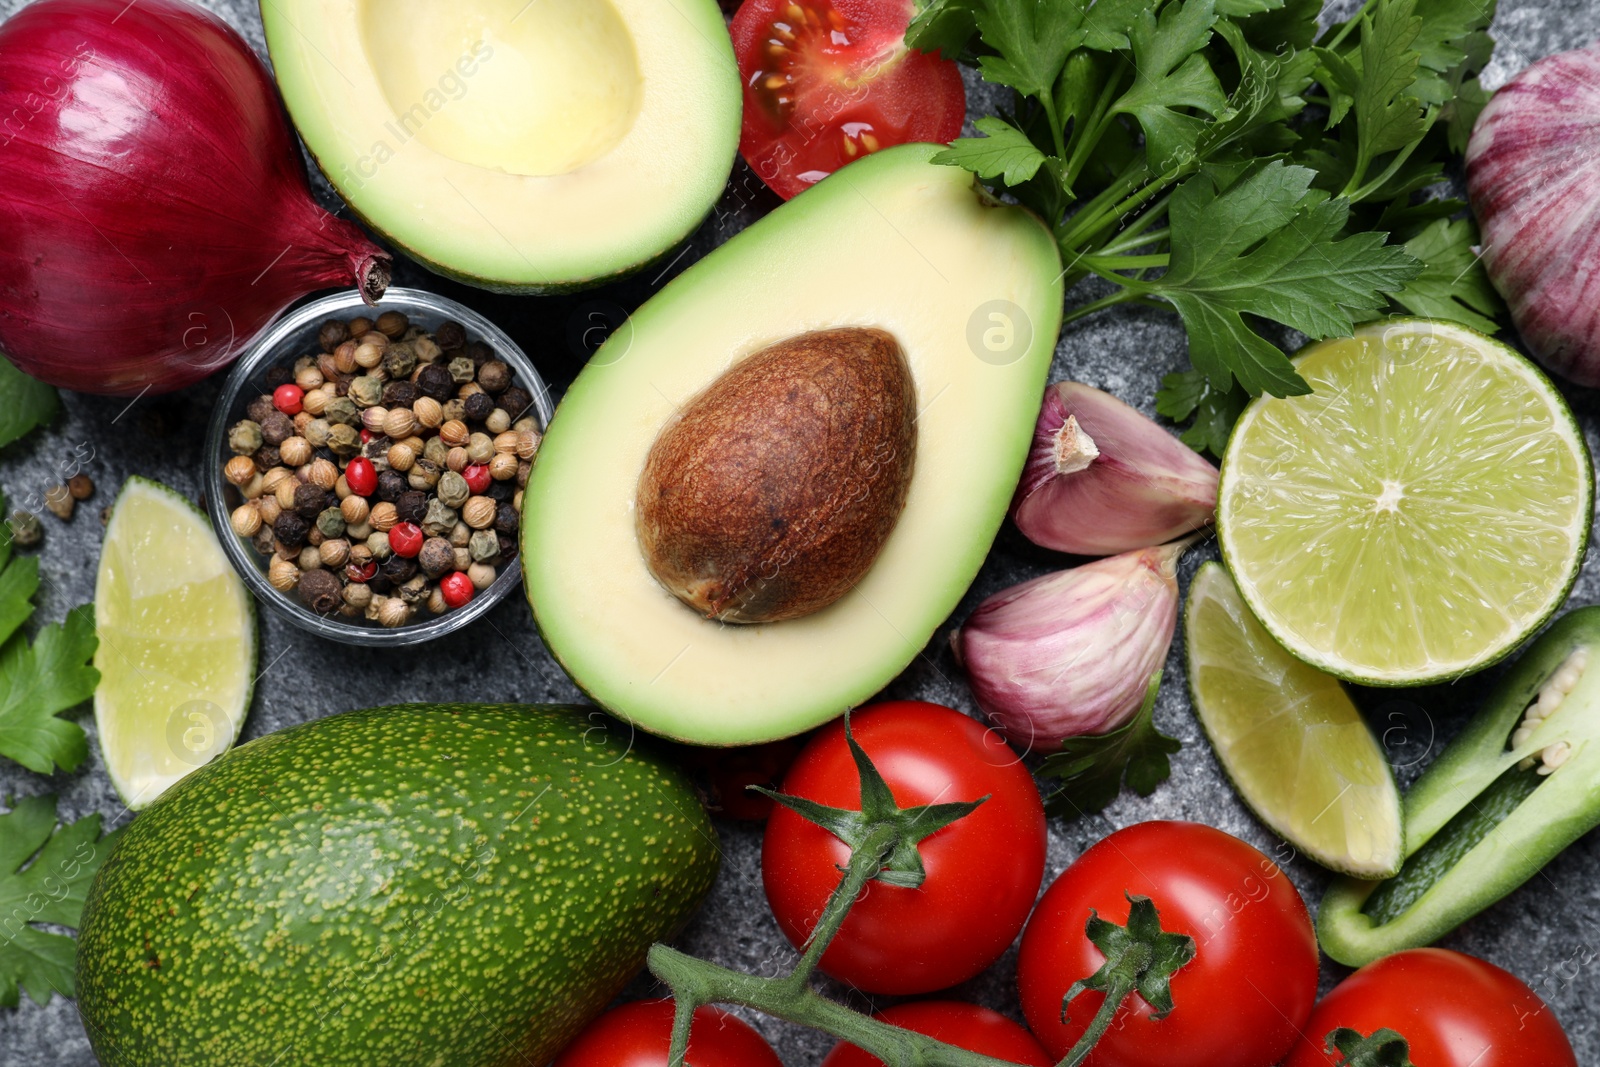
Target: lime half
{"points": [[1289, 738], [177, 654], [1416, 516]]}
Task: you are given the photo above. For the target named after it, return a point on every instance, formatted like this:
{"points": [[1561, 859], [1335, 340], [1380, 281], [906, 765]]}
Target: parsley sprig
{"points": [[1225, 160]]}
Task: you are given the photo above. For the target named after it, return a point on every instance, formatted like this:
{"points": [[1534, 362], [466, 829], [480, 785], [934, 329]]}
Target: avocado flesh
{"points": [[414, 885], [520, 147], [892, 242]]}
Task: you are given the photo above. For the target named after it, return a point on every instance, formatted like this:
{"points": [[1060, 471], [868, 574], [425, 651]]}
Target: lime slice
{"points": [[1288, 736], [177, 654], [1416, 516]]}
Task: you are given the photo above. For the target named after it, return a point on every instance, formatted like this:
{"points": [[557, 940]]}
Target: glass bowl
{"points": [[295, 335]]}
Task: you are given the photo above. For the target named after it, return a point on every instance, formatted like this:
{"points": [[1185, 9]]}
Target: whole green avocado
{"points": [[460, 885]]}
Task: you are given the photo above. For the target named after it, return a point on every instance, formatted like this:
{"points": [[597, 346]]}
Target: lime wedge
{"points": [[177, 654], [1288, 736], [1416, 516]]}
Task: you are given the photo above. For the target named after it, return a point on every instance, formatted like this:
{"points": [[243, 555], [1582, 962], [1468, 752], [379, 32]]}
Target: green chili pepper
{"points": [[1520, 784]]}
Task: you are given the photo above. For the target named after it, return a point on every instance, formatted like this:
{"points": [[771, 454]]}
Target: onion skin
{"points": [[1071, 653], [1533, 175], [1135, 485], [154, 212]]}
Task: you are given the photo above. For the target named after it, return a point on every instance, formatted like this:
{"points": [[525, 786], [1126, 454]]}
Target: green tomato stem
{"points": [[1099, 1024], [865, 862]]}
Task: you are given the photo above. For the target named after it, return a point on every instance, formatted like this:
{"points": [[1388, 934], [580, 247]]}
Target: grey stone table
{"points": [[1548, 932]]}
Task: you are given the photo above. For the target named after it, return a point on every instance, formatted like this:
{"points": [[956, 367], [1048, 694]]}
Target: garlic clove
{"points": [[1071, 653], [1102, 478]]}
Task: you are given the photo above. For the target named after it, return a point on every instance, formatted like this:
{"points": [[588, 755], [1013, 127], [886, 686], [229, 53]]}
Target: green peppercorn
{"points": [[331, 522], [343, 440], [378, 545], [415, 589], [424, 475], [245, 437], [453, 489], [462, 370], [26, 529], [484, 546], [440, 519], [342, 410], [400, 359], [436, 451], [316, 433], [366, 391]]}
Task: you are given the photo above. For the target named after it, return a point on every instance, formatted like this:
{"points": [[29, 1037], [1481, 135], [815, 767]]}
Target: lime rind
{"points": [[177, 629], [1289, 738], [1419, 538]]}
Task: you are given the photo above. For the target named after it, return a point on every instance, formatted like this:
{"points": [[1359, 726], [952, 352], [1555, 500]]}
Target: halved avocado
{"points": [[972, 292], [519, 145]]}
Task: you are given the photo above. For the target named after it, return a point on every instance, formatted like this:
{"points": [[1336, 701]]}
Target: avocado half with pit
{"points": [[518, 145], [891, 259]]}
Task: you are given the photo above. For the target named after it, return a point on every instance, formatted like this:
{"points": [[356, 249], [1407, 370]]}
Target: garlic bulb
{"points": [[1071, 653], [1102, 478], [1533, 174]]}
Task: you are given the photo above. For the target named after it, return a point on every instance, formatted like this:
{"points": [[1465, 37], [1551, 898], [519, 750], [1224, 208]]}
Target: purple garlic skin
{"points": [[1071, 653], [1533, 175], [1102, 478]]}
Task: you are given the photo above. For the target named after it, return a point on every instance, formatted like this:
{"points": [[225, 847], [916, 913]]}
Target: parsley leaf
{"points": [[1005, 153], [1188, 393], [38, 682], [24, 403], [1172, 75], [1388, 116], [1268, 245], [51, 889], [1452, 284], [1093, 768]]}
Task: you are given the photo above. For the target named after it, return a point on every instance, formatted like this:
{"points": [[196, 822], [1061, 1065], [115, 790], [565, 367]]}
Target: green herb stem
{"points": [[1109, 263], [1121, 296], [1358, 194]]}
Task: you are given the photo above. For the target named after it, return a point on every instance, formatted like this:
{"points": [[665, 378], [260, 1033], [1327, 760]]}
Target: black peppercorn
{"points": [[411, 506], [478, 352], [259, 409], [320, 591], [277, 428], [508, 545], [450, 335], [400, 394], [267, 457], [325, 453], [495, 377], [438, 556], [398, 569], [390, 485], [291, 529], [333, 334], [516, 401], [501, 491], [505, 519], [279, 375], [310, 500], [435, 381], [379, 584], [477, 406]]}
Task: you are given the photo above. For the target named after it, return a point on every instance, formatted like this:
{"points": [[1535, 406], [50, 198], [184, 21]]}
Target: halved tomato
{"points": [[829, 81]]}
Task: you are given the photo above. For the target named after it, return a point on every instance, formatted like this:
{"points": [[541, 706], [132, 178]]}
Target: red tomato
{"points": [[828, 81], [640, 1035], [1239, 1002], [983, 871], [1453, 1010], [963, 1025]]}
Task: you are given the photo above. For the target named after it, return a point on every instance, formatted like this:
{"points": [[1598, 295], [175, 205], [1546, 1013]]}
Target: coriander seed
{"points": [[368, 355], [354, 509], [268, 507], [399, 423], [310, 558], [382, 517], [429, 413], [324, 474], [503, 466], [295, 451], [392, 324], [372, 419], [335, 552], [282, 574], [252, 489], [239, 470], [480, 448], [394, 612], [400, 457], [497, 421], [60, 502], [344, 357], [358, 594], [436, 601], [245, 520], [454, 432], [478, 512]]}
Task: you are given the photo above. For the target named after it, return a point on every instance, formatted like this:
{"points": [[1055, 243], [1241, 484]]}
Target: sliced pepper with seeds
{"points": [[1520, 784]]}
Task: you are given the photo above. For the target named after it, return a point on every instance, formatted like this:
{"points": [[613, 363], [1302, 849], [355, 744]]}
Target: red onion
{"points": [[154, 212], [1533, 173]]}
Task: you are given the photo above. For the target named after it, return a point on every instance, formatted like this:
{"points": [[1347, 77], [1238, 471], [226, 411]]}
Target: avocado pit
{"points": [[772, 492]]}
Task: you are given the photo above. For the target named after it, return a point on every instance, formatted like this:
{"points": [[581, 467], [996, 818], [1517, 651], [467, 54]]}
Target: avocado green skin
{"points": [[411, 885]]}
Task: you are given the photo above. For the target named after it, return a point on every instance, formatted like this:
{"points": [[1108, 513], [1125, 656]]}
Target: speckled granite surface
{"points": [[1548, 932]]}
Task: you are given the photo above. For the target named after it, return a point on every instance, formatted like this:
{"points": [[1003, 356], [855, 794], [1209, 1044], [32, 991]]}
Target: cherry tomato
{"points": [[361, 476], [288, 398], [1453, 1010], [829, 81], [963, 1025], [640, 1035], [1239, 1002], [983, 871]]}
